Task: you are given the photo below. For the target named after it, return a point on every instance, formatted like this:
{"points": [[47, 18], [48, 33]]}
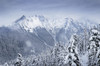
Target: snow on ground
{"points": [[84, 59]]}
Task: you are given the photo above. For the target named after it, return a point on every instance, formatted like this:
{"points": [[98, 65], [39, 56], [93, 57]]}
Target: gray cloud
{"points": [[45, 4], [8, 4]]}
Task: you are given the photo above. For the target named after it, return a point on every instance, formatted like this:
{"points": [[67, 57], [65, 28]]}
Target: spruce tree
{"points": [[94, 46], [19, 60]]}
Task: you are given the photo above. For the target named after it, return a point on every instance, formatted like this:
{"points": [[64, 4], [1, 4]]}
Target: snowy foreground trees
{"points": [[82, 50], [94, 48], [19, 60]]}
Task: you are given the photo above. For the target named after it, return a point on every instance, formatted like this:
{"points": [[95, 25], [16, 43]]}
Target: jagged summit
{"points": [[32, 22], [29, 23], [21, 18]]}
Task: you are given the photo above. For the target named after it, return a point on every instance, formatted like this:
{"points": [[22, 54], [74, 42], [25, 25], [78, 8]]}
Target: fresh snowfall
{"points": [[42, 41]]}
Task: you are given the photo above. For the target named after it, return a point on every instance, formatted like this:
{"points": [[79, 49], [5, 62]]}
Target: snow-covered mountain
{"points": [[32, 35], [30, 23], [60, 29]]}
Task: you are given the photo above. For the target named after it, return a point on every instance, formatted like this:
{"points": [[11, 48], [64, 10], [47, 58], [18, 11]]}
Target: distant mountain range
{"points": [[32, 35]]}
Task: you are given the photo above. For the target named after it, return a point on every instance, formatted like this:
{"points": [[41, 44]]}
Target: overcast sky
{"points": [[10, 10]]}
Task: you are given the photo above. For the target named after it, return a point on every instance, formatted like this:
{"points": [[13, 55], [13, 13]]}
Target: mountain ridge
{"points": [[43, 34]]}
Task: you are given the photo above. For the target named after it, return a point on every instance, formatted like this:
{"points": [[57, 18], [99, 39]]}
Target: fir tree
{"points": [[19, 60], [94, 46]]}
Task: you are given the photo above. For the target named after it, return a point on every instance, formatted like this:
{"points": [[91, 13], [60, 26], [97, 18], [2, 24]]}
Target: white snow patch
{"points": [[94, 31], [84, 59]]}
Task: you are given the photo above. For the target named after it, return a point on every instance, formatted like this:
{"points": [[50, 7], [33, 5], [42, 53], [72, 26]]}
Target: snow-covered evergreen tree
{"points": [[6, 64], [19, 60], [94, 46], [98, 58], [58, 54], [72, 58], [74, 42]]}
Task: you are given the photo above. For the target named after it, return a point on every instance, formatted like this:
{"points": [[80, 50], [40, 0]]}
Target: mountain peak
{"points": [[31, 22], [21, 18]]}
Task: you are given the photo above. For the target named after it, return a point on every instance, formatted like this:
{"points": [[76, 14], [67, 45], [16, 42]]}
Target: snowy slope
{"points": [[38, 33], [32, 22], [60, 29]]}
